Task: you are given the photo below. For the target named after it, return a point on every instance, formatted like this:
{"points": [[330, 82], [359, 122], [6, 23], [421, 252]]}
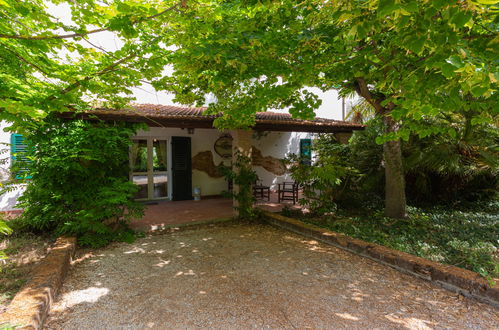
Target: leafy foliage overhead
{"points": [[418, 58], [49, 65], [421, 57]]}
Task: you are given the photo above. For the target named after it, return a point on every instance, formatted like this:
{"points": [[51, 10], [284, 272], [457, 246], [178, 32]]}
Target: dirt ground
{"points": [[24, 253], [234, 276]]}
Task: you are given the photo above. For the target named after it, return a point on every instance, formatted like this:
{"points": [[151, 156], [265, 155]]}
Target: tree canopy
{"points": [[423, 58], [47, 64], [410, 60]]}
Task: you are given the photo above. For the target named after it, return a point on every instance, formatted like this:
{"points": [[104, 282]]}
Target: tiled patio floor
{"points": [[167, 213]]}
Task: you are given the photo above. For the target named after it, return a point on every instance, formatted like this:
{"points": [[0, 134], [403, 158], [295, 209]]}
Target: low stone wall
{"points": [[465, 282], [31, 305]]}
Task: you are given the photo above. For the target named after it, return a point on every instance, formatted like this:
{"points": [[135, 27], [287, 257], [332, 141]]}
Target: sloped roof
{"points": [[190, 117]]}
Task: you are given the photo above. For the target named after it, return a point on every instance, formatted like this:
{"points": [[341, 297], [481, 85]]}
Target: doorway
{"points": [[181, 168], [148, 162]]}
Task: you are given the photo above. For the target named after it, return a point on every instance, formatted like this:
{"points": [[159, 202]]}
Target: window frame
{"points": [[150, 167]]}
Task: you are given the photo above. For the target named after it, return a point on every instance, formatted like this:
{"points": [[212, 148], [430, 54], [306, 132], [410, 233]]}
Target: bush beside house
{"points": [[80, 181]]}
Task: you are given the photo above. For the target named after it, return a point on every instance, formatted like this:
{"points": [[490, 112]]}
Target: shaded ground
{"points": [[24, 253], [247, 276], [465, 237]]}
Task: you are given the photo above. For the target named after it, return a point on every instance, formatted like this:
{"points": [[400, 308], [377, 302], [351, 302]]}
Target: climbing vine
{"points": [[242, 175]]}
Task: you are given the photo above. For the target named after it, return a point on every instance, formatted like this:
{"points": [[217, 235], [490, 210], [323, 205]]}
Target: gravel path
{"points": [[236, 276]]}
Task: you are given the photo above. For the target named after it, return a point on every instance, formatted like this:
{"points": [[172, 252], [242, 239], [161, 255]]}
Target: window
{"points": [[19, 155], [306, 151]]}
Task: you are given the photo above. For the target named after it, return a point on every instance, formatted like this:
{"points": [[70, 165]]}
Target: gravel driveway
{"points": [[250, 276]]}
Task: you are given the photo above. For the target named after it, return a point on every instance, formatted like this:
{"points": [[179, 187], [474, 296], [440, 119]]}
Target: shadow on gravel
{"points": [[246, 275]]}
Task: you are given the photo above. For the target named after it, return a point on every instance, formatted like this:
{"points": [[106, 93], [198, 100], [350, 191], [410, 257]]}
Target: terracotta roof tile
{"points": [[162, 115]]}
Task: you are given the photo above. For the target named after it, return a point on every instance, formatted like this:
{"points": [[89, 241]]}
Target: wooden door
{"points": [[181, 168]]}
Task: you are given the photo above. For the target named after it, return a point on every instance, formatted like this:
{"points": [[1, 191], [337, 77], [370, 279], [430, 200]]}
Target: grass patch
{"points": [[23, 251], [465, 237]]}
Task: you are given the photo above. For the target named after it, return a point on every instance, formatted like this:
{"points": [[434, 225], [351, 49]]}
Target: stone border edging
{"points": [[31, 304], [462, 281]]}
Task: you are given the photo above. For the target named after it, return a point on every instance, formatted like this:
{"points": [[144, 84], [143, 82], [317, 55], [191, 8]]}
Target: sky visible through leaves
{"points": [[109, 41]]}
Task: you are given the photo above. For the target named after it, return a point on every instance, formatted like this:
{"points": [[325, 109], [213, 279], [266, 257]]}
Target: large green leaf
{"points": [[4, 229]]}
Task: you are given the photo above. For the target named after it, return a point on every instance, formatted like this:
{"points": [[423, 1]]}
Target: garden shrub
{"points": [[4, 230], [466, 238], [367, 157], [325, 180], [440, 168], [447, 168], [80, 181]]}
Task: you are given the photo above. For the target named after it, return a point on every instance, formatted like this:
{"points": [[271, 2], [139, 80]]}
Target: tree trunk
{"points": [[395, 201], [241, 162], [394, 172]]}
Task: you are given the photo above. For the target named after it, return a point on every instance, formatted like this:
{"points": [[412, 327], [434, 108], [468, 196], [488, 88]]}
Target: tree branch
{"points": [[107, 69], [82, 34], [25, 60], [363, 90], [97, 47], [39, 37], [478, 36]]}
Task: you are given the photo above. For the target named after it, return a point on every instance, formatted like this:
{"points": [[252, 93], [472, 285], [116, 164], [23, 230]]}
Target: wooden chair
{"points": [[287, 191], [259, 190]]}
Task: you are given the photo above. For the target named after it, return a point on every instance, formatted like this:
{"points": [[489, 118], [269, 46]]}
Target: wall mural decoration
{"points": [[223, 146], [204, 162], [271, 164]]}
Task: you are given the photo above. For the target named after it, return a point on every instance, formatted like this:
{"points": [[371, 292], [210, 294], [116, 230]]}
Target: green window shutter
{"points": [[19, 150], [306, 151], [17, 145]]}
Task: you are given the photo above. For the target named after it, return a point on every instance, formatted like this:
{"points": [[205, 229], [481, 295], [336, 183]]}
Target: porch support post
{"points": [[241, 143]]}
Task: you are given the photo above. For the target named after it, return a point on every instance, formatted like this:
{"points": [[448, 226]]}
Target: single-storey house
{"points": [[181, 151], [179, 155]]}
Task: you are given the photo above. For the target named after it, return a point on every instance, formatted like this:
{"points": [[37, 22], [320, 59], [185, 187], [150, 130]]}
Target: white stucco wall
{"points": [[278, 145], [8, 200]]}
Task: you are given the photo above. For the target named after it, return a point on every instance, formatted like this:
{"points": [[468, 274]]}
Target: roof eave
{"points": [[207, 122]]}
